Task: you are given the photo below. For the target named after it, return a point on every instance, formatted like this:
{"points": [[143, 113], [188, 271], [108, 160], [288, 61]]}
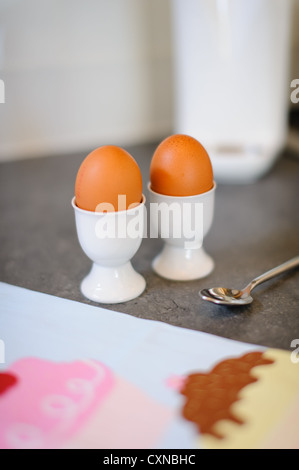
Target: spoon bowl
{"points": [[224, 296], [231, 297]]}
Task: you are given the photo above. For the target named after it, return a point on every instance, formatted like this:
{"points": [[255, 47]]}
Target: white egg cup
{"points": [[183, 257], [110, 240]]}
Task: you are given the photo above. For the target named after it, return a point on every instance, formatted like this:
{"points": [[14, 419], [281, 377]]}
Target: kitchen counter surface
{"points": [[256, 227]]}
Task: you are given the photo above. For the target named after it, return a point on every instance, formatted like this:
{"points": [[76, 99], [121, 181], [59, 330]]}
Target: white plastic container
{"points": [[231, 61]]}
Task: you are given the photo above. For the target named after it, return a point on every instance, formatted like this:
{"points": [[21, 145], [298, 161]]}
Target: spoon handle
{"points": [[292, 263]]}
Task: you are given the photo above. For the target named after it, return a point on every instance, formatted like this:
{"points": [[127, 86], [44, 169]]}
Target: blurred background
{"points": [[79, 74]]}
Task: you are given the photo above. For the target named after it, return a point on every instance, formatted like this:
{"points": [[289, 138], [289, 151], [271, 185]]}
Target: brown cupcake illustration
{"points": [[242, 401]]}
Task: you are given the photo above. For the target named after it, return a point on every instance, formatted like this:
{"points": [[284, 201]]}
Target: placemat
{"points": [[74, 375]]}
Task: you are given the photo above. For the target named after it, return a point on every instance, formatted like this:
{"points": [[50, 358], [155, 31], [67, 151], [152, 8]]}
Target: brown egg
{"points": [[181, 167], [106, 173]]}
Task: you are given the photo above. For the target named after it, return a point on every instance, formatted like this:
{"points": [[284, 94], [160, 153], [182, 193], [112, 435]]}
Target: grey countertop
{"points": [[255, 227]]}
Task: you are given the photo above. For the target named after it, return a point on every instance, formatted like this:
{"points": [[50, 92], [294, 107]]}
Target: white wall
{"points": [[82, 73]]}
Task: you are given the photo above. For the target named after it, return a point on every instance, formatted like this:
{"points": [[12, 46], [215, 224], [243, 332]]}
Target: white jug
{"points": [[232, 85]]}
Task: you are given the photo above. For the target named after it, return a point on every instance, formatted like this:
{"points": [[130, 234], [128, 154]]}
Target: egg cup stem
{"points": [[112, 284], [181, 264]]}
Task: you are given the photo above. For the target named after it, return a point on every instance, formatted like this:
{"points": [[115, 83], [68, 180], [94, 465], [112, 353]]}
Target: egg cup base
{"points": [[180, 264], [109, 285]]}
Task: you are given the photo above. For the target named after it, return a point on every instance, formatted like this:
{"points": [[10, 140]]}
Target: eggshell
{"points": [[181, 167], [106, 173]]}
